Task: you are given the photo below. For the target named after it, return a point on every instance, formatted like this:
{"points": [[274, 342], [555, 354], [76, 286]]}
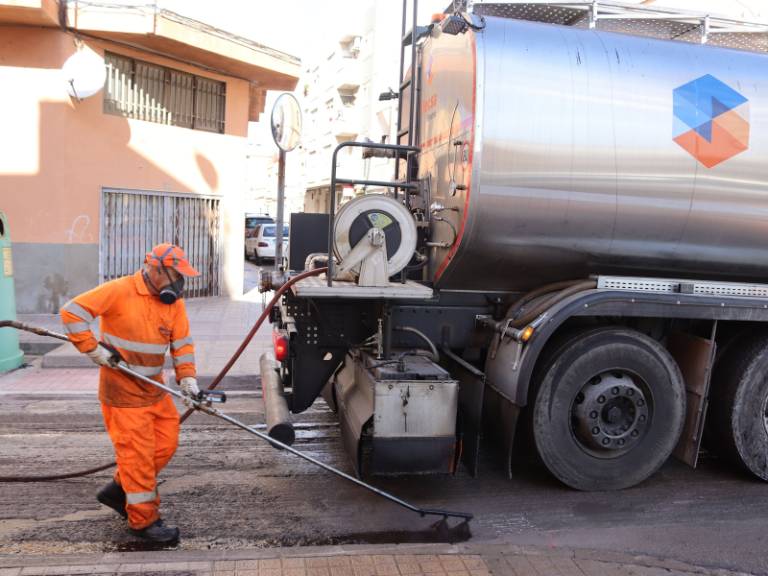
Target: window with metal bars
{"points": [[145, 91]]}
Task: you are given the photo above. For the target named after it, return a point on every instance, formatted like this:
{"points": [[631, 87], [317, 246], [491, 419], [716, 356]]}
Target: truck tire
{"points": [[738, 425], [608, 410]]}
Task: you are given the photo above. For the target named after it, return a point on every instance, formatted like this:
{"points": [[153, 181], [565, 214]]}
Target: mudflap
{"points": [[355, 409], [501, 417], [471, 393]]}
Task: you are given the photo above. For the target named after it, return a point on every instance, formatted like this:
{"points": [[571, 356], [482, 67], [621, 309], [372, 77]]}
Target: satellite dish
{"points": [[84, 74], [286, 122]]}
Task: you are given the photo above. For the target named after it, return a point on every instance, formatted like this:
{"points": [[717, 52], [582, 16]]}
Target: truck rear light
{"points": [[526, 333], [280, 343], [263, 245]]}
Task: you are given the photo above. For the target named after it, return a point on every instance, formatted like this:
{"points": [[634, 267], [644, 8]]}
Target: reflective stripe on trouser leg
{"points": [[140, 497], [134, 434]]}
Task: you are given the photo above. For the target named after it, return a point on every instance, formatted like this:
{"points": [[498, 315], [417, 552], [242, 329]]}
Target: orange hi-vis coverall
{"points": [[142, 420]]}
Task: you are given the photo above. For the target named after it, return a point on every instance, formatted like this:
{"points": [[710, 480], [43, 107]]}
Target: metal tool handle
{"points": [[116, 357], [211, 396], [205, 407], [213, 412]]}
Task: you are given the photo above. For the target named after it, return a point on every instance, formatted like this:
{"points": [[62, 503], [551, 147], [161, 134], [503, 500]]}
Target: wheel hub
{"points": [[610, 413]]}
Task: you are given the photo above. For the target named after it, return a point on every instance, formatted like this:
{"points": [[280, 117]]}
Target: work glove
{"points": [[102, 357], [190, 390]]}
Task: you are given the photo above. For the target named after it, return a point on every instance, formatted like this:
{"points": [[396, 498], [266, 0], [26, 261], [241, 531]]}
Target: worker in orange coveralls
{"points": [[141, 316]]}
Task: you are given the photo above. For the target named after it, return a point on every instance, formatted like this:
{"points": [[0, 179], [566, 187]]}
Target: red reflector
{"points": [[280, 344], [263, 245]]}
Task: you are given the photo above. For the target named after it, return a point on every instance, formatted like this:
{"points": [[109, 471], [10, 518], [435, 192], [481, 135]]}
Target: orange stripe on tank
{"points": [[460, 234]]}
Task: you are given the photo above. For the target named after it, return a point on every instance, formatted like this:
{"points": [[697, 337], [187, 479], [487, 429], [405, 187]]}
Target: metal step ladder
{"points": [[406, 132]]}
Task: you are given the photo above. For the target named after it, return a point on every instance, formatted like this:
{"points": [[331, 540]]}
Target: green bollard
{"points": [[11, 355]]}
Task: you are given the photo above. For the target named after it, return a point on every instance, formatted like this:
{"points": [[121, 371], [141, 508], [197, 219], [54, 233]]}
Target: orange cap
{"points": [[171, 256]]}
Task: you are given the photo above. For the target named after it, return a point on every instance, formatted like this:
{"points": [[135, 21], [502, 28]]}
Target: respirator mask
{"points": [[173, 291], [170, 293]]}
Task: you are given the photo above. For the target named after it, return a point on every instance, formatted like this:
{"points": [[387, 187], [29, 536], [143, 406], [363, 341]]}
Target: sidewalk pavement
{"points": [[360, 560], [218, 327]]}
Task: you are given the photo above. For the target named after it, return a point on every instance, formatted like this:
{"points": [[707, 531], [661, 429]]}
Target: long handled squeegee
{"points": [[203, 403]]}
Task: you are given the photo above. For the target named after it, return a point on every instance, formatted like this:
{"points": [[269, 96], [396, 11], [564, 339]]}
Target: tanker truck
{"points": [[572, 254]]}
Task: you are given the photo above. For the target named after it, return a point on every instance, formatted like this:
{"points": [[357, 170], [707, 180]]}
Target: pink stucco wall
{"points": [[56, 154]]}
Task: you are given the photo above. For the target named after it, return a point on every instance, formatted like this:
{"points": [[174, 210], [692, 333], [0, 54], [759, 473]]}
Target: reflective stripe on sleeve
{"points": [[176, 344], [75, 327], [133, 346], [74, 308], [181, 359], [140, 497]]}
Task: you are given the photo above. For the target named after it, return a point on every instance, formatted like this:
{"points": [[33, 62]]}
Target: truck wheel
{"points": [[739, 405], [609, 409]]}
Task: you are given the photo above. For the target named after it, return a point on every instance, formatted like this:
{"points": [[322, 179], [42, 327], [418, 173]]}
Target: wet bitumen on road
{"points": [[228, 490]]}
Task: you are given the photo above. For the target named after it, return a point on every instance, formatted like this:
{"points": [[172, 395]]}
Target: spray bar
{"points": [[204, 406]]}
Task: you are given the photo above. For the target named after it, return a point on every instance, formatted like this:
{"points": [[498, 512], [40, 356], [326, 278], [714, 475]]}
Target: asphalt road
{"points": [[227, 489]]}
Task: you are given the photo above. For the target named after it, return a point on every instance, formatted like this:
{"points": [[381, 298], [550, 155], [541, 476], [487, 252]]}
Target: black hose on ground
{"points": [[264, 314]]}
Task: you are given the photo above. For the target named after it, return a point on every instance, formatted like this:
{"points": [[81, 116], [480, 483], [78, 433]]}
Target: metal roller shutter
{"points": [[132, 221]]}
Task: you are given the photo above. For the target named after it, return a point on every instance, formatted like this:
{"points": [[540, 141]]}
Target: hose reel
{"points": [[374, 238]]}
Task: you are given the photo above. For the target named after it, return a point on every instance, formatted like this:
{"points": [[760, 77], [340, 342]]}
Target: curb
{"points": [[492, 553]]}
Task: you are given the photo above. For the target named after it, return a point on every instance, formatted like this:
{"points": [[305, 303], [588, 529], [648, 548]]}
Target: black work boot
{"points": [[157, 532], [113, 495]]}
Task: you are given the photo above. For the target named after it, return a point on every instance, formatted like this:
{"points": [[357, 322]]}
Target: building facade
{"points": [[340, 91], [158, 154]]}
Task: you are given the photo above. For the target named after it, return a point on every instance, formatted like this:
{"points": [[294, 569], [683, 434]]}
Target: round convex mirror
{"points": [[286, 122]]}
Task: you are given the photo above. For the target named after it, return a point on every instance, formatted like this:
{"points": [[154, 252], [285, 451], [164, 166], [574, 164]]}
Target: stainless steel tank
{"points": [[556, 153]]}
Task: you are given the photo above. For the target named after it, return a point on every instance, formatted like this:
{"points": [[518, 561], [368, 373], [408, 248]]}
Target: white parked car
{"points": [[260, 245], [251, 223]]}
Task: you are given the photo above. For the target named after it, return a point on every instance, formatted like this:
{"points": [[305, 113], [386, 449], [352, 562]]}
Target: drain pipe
{"points": [[279, 425]]}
